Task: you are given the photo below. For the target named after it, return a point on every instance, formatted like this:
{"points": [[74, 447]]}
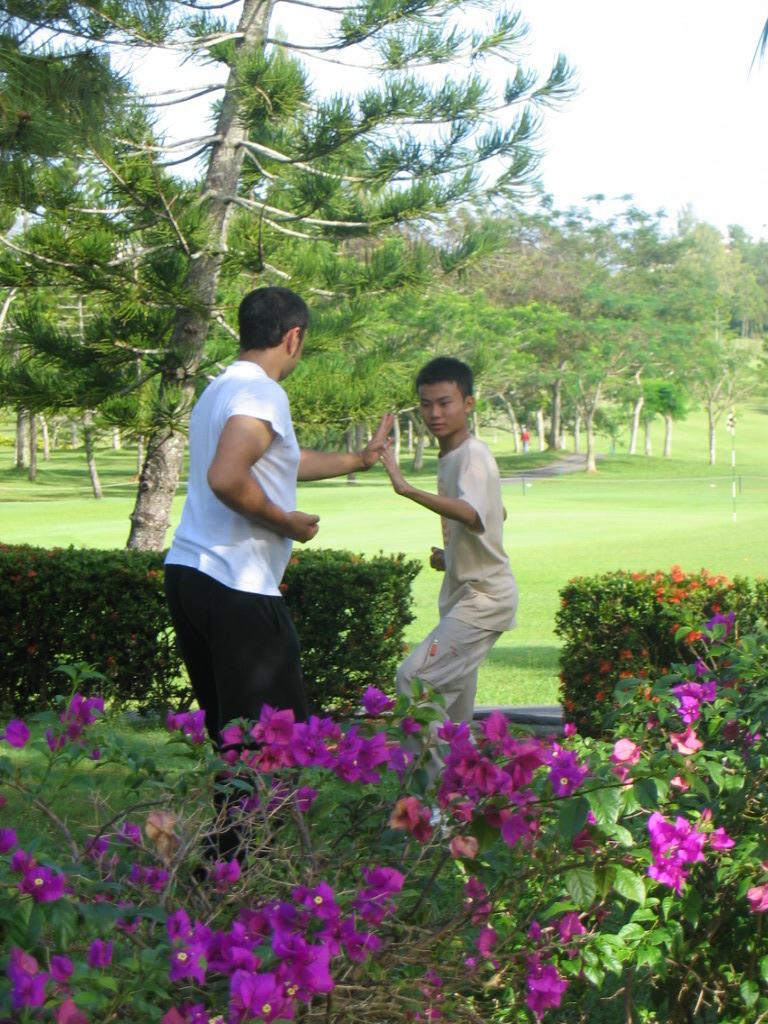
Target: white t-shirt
{"points": [[212, 537], [478, 587]]}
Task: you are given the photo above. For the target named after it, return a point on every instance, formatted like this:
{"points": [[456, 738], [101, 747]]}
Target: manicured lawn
{"points": [[636, 513]]}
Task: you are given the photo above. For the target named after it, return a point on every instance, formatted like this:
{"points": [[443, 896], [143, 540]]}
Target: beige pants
{"points": [[447, 661]]}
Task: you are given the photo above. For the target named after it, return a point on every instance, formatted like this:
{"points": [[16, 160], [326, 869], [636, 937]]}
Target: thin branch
{"points": [[181, 99], [315, 221], [273, 154]]}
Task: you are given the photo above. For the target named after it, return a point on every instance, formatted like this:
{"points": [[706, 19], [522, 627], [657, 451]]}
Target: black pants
{"points": [[241, 650]]}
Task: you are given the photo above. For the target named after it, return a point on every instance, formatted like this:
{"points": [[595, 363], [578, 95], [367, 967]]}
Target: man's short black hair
{"points": [[265, 315], [446, 369]]}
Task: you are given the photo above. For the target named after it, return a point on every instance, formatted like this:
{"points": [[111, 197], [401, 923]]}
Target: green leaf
{"points": [[629, 885], [749, 993], [606, 804], [646, 792], [647, 956], [581, 886], [764, 968], [572, 817]]}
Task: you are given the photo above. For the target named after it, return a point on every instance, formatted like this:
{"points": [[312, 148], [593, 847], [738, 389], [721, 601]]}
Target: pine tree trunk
{"points": [[161, 471], [90, 453], [475, 425], [22, 439], [410, 436], [577, 435], [32, 471], [540, 429], [635, 430], [73, 433], [667, 436], [647, 448]]}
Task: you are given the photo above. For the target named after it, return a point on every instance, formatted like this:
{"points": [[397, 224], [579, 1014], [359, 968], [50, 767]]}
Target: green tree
{"points": [[291, 179]]}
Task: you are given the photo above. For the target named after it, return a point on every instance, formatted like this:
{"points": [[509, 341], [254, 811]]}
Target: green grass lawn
{"points": [[635, 513]]}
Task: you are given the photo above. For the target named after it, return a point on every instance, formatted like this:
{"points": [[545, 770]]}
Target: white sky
{"points": [[667, 109]]}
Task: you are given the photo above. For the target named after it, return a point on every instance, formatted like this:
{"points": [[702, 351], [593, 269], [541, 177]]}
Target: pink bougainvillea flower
{"points": [[376, 702], [358, 945], [486, 940], [68, 1013], [374, 902], [720, 840], [476, 900], [626, 752], [411, 815], [685, 742], [673, 845], [758, 899], [16, 733], [545, 986], [464, 847]]}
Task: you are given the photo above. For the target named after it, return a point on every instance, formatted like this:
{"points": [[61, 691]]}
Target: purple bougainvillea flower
{"points": [[545, 987], [16, 733], [259, 995], [27, 981], [42, 884], [188, 962], [358, 945], [191, 723], [100, 953], [130, 832], [570, 925], [376, 702], [8, 839], [566, 773], [476, 900], [410, 726], [61, 968], [178, 926], [726, 621], [225, 873]]}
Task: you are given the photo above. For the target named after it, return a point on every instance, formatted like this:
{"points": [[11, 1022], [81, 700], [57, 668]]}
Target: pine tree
{"points": [[310, 191]]}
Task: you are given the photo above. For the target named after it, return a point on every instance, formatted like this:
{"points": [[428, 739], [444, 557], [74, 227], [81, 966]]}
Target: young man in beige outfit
{"points": [[478, 597]]}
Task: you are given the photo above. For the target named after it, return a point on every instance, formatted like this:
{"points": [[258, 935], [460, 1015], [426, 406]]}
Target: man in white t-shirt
{"points": [[478, 597], [226, 562]]}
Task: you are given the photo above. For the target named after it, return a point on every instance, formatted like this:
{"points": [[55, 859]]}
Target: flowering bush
{"points": [[543, 874], [623, 625]]}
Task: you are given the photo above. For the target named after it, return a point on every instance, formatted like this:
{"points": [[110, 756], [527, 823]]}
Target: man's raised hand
{"points": [[379, 443]]}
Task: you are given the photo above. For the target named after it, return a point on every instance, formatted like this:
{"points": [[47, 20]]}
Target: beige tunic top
{"points": [[478, 587]]}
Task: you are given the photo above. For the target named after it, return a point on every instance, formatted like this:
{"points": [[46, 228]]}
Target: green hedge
{"points": [[622, 625], [108, 608]]}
